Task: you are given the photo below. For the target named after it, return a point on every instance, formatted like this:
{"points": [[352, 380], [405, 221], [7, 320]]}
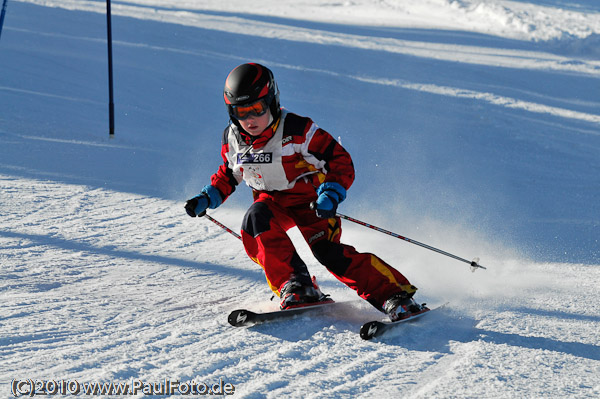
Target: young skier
{"points": [[289, 162]]}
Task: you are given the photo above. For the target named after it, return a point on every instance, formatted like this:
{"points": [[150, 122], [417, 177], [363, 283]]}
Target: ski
{"points": [[376, 328], [243, 317]]}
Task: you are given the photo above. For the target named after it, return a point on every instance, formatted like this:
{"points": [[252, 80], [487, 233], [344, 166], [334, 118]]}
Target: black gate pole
{"points": [[111, 104], [2, 13]]}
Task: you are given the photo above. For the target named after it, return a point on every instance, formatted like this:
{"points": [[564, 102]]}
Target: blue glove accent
{"points": [[333, 188], [203, 202], [197, 206], [209, 198], [325, 207], [330, 195], [214, 196]]}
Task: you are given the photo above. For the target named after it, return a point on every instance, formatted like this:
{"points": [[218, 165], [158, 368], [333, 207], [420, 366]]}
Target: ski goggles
{"points": [[257, 108]]}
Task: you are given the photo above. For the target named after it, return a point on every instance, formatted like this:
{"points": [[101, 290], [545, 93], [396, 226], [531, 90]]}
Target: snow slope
{"points": [[474, 127]]}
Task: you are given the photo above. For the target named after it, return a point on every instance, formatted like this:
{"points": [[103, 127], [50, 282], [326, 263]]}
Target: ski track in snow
{"points": [[497, 57], [515, 19], [114, 286], [477, 55]]}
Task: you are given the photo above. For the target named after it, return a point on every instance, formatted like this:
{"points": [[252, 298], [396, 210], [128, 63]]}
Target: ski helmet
{"points": [[249, 83]]}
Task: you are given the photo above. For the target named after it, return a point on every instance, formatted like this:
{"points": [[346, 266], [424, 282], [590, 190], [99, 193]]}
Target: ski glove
{"points": [[330, 195], [210, 197]]}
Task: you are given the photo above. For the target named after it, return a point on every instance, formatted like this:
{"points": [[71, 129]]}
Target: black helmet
{"points": [[248, 83]]}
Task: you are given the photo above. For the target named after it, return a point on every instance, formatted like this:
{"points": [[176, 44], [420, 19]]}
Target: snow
{"points": [[474, 127]]}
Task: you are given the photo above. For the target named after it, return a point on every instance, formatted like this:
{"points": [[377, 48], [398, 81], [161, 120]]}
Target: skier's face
{"points": [[255, 125]]}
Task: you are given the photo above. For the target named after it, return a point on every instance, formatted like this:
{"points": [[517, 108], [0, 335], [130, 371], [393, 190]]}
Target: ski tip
{"points": [[238, 317], [373, 329], [369, 330]]}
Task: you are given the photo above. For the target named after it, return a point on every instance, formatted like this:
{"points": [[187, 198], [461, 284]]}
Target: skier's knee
{"points": [[331, 255], [257, 219]]}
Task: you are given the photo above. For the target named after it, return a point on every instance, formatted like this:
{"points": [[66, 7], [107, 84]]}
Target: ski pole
{"points": [[221, 225], [474, 263]]}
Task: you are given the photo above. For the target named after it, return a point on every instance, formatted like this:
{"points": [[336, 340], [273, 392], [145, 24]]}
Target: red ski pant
{"points": [[267, 243]]}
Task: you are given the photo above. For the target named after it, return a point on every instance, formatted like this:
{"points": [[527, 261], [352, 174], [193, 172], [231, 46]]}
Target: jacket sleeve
{"points": [[224, 179], [337, 161]]}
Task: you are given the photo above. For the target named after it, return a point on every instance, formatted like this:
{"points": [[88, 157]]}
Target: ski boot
{"points": [[296, 294], [401, 306]]}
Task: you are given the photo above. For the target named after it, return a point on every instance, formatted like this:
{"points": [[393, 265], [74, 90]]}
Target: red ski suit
{"points": [[284, 166]]}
